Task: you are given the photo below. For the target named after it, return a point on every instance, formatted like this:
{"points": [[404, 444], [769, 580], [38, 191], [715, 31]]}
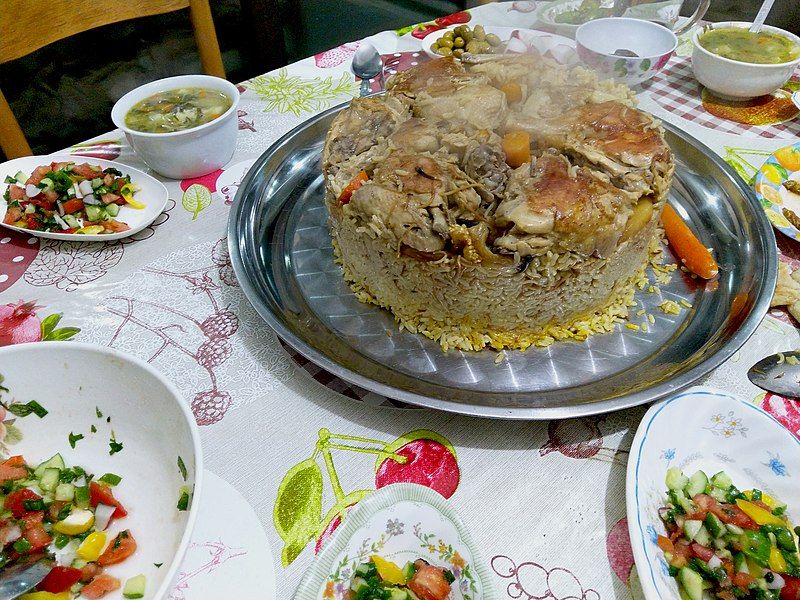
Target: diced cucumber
{"points": [[94, 213], [112, 209], [702, 537], [30, 209], [722, 481], [96, 183], [358, 583], [734, 529], [65, 492], [675, 479], [692, 583], [82, 497], [54, 462], [697, 484], [363, 569], [739, 563], [397, 594], [715, 527], [718, 494], [691, 527], [686, 504], [71, 221], [408, 571], [21, 177], [49, 479], [134, 587]]}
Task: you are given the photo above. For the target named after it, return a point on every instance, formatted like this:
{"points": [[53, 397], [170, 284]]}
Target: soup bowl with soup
{"points": [[736, 64], [182, 126]]}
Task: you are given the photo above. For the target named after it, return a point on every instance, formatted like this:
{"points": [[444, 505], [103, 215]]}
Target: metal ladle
{"points": [[367, 64], [777, 374]]}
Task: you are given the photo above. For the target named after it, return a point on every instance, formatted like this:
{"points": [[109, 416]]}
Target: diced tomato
{"points": [[37, 537], [59, 579], [54, 509], [100, 586], [743, 580], [86, 170], [681, 554], [429, 583], [728, 566], [90, 571], [72, 206], [727, 513], [665, 544], [791, 588], [704, 502], [102, 494], [115, 225], [725, 595], [51, 196], [15, 192], [32, 519], [14, 461], [13, 214], [110, 198], [108, 179], [121, 548], [15, 501], [702, 552], [38, 174], [33, 222], [12, 473], [55, 166], [351, 187]]}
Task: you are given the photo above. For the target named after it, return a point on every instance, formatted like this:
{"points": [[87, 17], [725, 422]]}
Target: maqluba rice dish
{"points": [[505, 202]]}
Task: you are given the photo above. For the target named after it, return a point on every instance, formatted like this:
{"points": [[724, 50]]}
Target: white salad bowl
{"points": [[189, 152], [709, 430], [143, 411], [734, 79]]}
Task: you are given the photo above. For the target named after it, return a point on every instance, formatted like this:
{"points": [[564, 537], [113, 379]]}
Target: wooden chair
{"points": [[28, 25]]}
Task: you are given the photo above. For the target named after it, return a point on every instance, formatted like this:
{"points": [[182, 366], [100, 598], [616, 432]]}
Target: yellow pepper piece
{"points": [[776, 561], [78, 521], [758, 514], [388, 570], [45, 596], [91, 229], [765, 498], [92, 547], [127, 193]]}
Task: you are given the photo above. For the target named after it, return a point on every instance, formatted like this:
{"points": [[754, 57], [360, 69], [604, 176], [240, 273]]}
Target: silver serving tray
{"points": [[281, 252]]}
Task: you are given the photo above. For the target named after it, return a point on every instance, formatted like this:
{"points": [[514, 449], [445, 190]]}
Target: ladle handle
{"points": [[699, 13]]}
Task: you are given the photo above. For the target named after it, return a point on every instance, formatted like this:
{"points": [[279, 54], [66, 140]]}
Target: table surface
{"points": [[537, 496]]}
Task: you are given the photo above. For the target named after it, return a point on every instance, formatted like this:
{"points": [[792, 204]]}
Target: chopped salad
{"points": [[65, 197], [728, 544], [381, 579], [65, 512]]}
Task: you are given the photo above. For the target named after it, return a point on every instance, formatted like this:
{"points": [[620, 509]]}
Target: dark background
{"points": [[63, 93]]}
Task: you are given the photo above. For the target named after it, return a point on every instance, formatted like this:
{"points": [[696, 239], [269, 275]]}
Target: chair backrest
{"points": [[28, 25]]}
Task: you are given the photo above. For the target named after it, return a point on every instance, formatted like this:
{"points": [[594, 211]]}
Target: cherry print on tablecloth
{"points": [[422, 456], [532, 581], [218, 553], [394, 63], [208, 181], [17, 252], [336, 56], [580, 438], [69, 265], [245, 125], [618, 548], [786, 411], [20, 323]]}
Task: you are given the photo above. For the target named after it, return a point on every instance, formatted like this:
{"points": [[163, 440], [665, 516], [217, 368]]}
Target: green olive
{"points": [[458, 52], [445, 43], [448, 35], [460, 30], [445, 51], [459, 42], [493, 39], [468, 35], [473, 47], [479, 33]]}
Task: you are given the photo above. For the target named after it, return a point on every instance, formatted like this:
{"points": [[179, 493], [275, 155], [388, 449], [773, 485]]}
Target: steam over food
{"points": [[498, 202]]}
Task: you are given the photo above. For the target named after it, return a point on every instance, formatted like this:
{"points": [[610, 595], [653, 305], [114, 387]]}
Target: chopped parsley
{"points": [[114, 445], [157, 565], [98, 413], [94, 429], [182, 468], [74, 439]]}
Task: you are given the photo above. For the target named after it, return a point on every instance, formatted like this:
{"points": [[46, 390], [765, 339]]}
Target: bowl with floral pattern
{"points": [[709, 430], [777, 186], [628, 50], [400, 522]]}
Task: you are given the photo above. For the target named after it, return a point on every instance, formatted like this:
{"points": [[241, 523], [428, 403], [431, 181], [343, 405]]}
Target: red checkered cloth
{"points": [[678, 92], [332, 382]]}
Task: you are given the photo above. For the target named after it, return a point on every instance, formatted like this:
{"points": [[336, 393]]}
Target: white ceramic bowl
{"points": [[653, 44], [191, 152], [148, 416], [709, 430], [738, 80]]}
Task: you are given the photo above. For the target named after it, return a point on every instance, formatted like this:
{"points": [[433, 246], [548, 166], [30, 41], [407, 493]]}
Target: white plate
{"points": [[709, 430], [149, 418], [400, 522], [558, 47], [152, 194]]}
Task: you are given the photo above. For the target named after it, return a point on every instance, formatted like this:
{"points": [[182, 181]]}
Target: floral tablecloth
{"points": [[544, 500]]}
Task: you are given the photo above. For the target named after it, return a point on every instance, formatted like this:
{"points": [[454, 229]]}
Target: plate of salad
{"points": [[87, 475], [404, 542], [75, 198], [713, 513]]}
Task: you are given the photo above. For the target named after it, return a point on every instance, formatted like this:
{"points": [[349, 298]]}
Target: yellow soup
{"points": [[742, 45], [175, 110]]}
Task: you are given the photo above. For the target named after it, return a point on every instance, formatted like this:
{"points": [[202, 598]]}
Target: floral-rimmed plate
{"points": [[710, 430], [152, 194], [781, 205], [400, 522]]}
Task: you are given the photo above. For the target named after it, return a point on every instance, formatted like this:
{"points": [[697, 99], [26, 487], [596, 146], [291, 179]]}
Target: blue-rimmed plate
{"points": [[777, 201], [400, 522], [710, 430]]}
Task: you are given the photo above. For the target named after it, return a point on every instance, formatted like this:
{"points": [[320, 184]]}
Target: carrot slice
{"points": [[351, 187], [513, 91], [690, 250], [517, 146]]}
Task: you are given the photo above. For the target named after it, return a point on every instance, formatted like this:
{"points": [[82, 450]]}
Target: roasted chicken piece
{"points": [[552, 202]]}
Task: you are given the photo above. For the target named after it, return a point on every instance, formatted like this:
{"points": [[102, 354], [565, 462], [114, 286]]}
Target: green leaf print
{"points": [[50, 333], [196, 199], [13, 435], [298, 508], [286, 93], [49, 324]]}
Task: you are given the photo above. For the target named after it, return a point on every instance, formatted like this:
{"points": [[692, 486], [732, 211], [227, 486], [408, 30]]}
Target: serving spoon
{"points": [[758, 22], [24, 576], [367, 64], [778, 373]]}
